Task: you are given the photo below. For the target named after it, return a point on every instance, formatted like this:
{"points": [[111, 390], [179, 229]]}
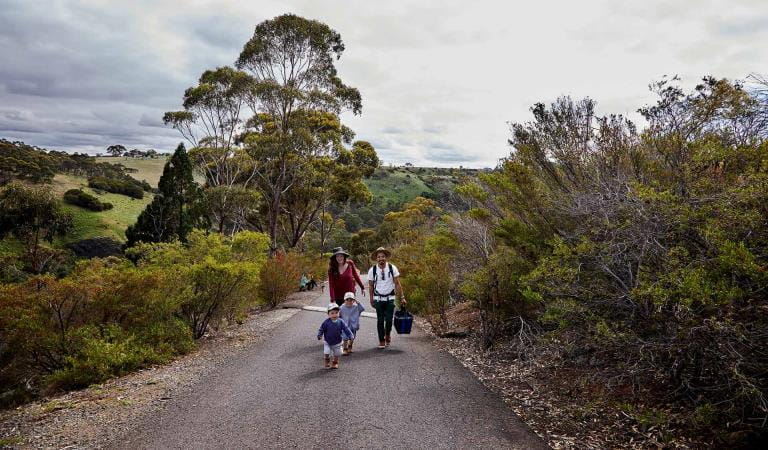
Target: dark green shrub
{"points": [[131, 188], [83, 199]]}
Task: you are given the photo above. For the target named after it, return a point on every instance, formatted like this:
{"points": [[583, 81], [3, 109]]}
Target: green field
{"points": [[110, 223], [148, 169]]}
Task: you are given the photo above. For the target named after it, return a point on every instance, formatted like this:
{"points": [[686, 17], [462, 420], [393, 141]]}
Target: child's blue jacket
{"points": [[333, 331]]}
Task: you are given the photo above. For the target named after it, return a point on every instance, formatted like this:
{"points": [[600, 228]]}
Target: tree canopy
{"points": [[293, 149]]}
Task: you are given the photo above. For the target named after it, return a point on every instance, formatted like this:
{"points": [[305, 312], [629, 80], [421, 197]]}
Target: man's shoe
{"points": [[387, 340], [382, 344]]}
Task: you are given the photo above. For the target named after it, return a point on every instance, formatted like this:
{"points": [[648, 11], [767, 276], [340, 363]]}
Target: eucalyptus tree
{"points": [[292, 152], [116, 150], [211, 122], [295, 134]]}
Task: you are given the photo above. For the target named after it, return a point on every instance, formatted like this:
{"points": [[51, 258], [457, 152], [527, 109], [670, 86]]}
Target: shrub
{"points": [[279, 278], [104, 319], [80, 198], [104, 352], [130, 188], [214, 276]]}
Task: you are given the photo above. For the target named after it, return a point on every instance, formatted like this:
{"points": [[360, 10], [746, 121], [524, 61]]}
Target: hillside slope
{"points": [[89, 224]]}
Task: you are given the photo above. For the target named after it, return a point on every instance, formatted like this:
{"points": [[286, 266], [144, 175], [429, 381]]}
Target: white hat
{"points": [[349, 295], [332, 306]]}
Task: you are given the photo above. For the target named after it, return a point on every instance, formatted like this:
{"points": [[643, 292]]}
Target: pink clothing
{"points": [[341, 284]]}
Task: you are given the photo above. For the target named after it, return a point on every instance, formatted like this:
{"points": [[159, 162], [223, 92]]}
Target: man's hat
{"points": [[380, 250]]}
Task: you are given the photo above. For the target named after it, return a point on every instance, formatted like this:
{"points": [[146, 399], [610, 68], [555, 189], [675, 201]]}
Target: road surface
{"points": [[276, 394]]}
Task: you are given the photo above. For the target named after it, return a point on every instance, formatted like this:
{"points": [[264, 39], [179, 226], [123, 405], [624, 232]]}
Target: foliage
{"points": [[116, 150], [291, 151], [646, 250], [216, 275], [175, 210], [280, 277], [105, 318], [87, 201], [19, 161], [125, 187], [32, 215], [108, 317]]}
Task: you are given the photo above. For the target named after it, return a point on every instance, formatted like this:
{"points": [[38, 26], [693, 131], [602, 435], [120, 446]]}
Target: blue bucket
{"points": [[403, 321]]}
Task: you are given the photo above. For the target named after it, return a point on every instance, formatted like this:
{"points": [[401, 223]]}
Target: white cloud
{"points": [[440, 79]]}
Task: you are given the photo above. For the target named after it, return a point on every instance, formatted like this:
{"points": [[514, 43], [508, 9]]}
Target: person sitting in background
{"points": [[312, 283], [303, 283]]}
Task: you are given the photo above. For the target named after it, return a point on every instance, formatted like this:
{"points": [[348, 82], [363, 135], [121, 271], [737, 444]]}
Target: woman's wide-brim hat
{"points": [[338, 251], [376, 252]]}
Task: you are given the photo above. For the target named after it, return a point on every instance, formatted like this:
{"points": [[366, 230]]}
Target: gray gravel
{"points": [[276, 394]]}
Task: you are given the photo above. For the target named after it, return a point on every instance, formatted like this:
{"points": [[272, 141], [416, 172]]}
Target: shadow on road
{"points": [[315, 348], [371, 353], [315, 374]]}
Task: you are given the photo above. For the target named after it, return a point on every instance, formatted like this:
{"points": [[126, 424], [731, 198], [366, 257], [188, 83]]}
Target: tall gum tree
{"points": [[297, 97]]}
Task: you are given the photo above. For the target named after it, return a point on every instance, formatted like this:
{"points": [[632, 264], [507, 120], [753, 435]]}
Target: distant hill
{"points": [[144, 169]]}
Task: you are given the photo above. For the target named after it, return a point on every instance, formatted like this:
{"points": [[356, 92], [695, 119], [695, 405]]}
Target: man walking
{"points": [[384, 284]]}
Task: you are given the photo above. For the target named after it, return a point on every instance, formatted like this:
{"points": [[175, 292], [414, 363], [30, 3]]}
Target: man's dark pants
{"points": [[385, 310]]}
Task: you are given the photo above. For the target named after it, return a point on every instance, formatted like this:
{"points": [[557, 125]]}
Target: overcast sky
{"points": [[440, 79]]}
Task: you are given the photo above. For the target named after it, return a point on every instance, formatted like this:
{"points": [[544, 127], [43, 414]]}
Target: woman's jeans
{"points": [[384, 312]]}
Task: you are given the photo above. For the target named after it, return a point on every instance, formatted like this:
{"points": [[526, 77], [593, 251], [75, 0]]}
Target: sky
{"points": [[440, 80]]}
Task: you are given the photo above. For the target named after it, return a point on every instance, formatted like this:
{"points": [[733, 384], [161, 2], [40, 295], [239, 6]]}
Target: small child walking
{"points": [[333, 329], [350, 313]]}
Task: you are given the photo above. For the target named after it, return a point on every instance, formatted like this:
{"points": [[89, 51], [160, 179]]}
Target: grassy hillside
{"points": [[398, 185], [110, 223], [148, 169]]}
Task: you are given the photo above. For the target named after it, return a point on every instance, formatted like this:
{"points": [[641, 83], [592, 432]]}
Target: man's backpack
{"points": [[391, 273]]}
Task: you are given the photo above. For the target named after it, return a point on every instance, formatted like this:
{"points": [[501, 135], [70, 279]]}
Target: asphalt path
{"points": [[276, 394]]}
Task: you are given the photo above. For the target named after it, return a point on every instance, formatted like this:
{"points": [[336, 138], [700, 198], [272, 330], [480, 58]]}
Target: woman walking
{"points": [[342, 276]]}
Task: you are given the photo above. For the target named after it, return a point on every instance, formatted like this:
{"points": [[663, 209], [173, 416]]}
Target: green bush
{"points": [[130, 188], [105, 318], [102, 353], [214, 276], [80, 198]]}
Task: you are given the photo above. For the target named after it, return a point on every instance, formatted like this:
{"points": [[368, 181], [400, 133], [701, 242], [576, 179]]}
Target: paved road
{"points": [[277, 395]]}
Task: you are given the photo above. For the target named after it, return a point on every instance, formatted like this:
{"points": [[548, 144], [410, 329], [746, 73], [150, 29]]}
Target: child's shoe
{"points": [[335, 364], [349, 347], [345, 349], [327, 361]]}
